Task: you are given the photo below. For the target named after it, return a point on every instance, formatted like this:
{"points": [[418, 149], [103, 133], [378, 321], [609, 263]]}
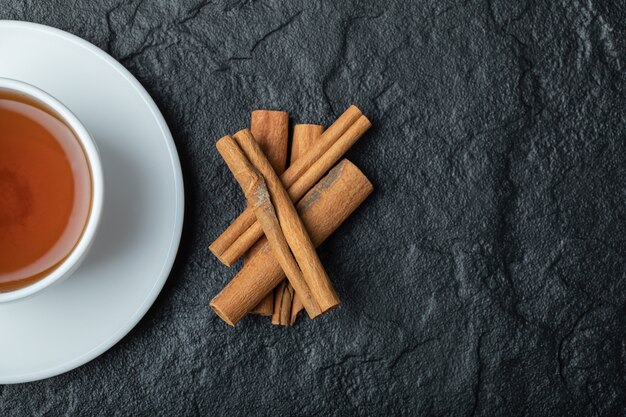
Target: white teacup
{"points": [[79, 252]]}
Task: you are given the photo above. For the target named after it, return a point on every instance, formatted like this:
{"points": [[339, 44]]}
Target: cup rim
{"points": [[67, 266]]}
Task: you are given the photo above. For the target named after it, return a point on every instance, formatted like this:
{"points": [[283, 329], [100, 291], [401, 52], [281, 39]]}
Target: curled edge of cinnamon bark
{"points": [[283, 296], [287, 304], [323, 209]]}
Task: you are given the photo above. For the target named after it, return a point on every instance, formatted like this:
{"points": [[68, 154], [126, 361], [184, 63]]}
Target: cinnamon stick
{"points": [[322, 210], [298, 187], [287, 305], [292, 227], [230, 239], [254, 187], [270, 129], [266, 305], [304, 137], [283, 296]]}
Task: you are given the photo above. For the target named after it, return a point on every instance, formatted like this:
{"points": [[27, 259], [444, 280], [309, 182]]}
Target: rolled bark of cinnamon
{"points": [[267, 305], [254, 187], [287, 305], [305, 136], [283, 298], [270, 129], [301, 185], [231, 239], [322, 210], [293, 229]]}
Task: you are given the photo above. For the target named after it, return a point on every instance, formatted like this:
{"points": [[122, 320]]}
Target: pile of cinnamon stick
{"points": [[290, 212]]}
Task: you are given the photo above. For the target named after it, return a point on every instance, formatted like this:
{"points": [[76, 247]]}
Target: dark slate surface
{"points": [[485, 276]]}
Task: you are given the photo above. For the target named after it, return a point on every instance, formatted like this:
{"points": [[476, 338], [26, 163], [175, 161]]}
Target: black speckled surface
{"points": [[485, 276]]}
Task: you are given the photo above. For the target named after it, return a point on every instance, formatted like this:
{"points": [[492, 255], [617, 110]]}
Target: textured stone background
{"points": [[485, 276]]}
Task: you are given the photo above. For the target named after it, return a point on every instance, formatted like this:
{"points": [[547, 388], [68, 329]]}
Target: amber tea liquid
{"points": [[45, 190]]}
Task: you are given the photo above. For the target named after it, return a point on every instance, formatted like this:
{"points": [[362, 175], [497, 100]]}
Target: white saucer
{"points": [[72, 323]]}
